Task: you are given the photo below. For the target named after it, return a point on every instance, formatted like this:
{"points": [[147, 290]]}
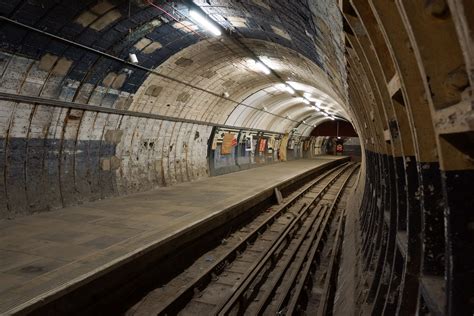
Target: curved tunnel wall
{"points": [[79, 123], [410, 66]]}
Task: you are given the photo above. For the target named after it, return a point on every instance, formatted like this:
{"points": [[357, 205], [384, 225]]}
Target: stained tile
{"points": [[35, 268], [175, 213], [12, 259], [103, 241]]}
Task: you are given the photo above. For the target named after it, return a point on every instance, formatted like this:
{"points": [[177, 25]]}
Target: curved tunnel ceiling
{"points": [[112, 126], [79, 121], [166, 41], [227, 74]]}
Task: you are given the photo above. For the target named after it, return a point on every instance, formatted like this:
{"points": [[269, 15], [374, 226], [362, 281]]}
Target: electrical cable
{"points": [[137, 66], [241, 44]]}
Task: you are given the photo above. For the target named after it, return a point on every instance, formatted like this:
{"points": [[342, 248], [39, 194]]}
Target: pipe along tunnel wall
{"points": [[80, 122]]}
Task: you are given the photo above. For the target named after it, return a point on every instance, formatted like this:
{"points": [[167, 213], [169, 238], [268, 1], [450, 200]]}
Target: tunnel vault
{"points": [[81, 120]]}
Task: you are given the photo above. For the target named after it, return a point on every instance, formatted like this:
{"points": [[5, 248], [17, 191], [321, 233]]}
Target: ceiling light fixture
{"points": [[272, 63], [292, 84], [280, 86], [133, 58], [285, 88], [260, 67], [289, 89], [205, 23]]}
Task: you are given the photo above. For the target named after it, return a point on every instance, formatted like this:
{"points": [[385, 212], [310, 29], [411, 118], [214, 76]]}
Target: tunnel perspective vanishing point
{"points": [[107, 98]]}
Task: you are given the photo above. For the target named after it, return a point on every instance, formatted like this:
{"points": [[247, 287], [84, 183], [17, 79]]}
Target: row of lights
{"points": [[306, 99], [254, 64], [317, 106], [257, 65]]}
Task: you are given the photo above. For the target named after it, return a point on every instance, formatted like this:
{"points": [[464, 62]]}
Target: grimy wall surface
{"points": [[410, 65], [80, 122], [66, 55]]}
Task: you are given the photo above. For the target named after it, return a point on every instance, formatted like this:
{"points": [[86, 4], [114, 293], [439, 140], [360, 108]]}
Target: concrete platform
{"points": [[46, 256]]}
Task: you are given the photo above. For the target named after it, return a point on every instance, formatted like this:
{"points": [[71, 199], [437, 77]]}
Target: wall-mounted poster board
{"points": [[227, 144], [291, 144], [248, 142], [283, 144], [214, 143], [263, 142], [271, 142]]}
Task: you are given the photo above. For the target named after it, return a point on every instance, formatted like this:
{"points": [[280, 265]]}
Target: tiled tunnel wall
{"points": [[53, 156], [79, 123]]}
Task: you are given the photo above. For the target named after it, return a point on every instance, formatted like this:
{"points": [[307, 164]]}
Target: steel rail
{"points": [[315, 220], [185, 294], [292, 306], [276, 281], [330, 271], [315, 241], [244, 283]]}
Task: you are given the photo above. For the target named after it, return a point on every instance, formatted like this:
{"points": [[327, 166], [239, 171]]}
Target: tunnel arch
{"points": [[85, 62], [80, 122]]}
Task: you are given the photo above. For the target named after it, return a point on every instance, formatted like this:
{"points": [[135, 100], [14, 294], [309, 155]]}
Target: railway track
{"points": [[280, 263]]}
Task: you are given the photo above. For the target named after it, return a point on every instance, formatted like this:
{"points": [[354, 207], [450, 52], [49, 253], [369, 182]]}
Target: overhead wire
{"points": [[245, 47], [150, 2], [132, 65]]}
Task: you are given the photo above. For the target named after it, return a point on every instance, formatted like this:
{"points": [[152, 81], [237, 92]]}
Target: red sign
{"points": [[263, 142]]}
